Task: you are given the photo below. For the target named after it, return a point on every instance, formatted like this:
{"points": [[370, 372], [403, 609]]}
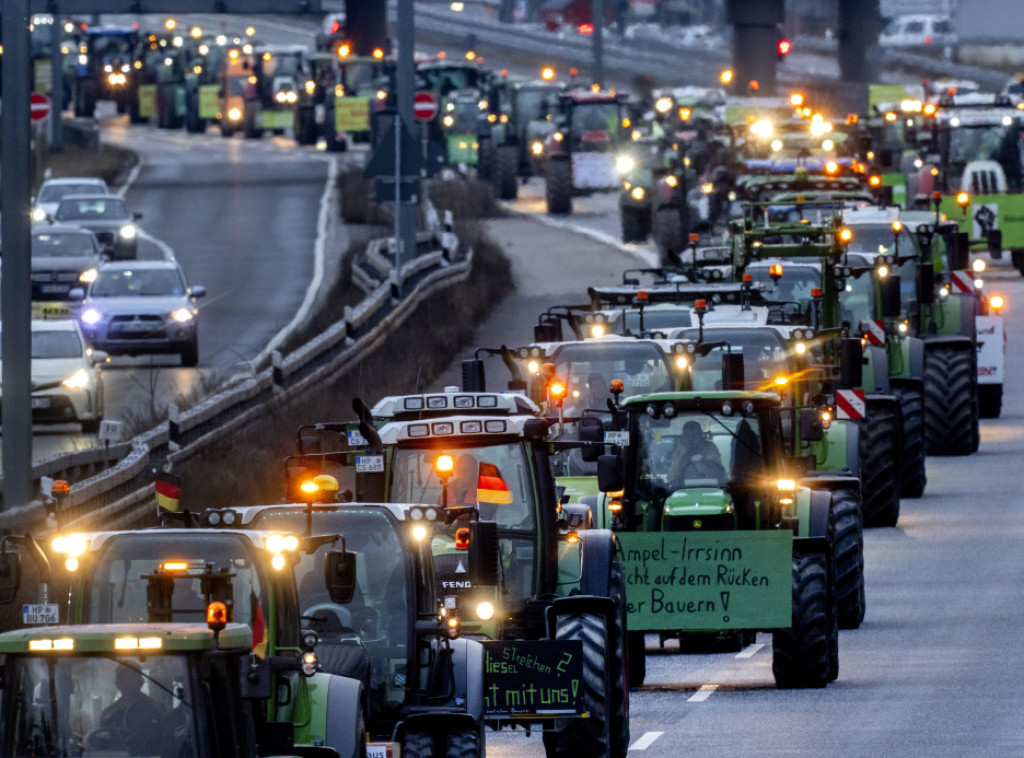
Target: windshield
{"points": [[63, 245], [449, 78], [764, 358], [53, 193], [123, 282], [379, 610], [536, 104], [117, 590], [92, 209], [961, 145], [693, 449], [793, 286], [595, 117], [641, 366], [93, 705], [655, 318], [56, 344]]}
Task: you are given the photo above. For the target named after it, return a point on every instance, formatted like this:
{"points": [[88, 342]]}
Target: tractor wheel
{"points": [[590, 736], [632, 223], [669, 234], [194, 124], [637, 659], [305, 126], [506, 180], [418, 745], [950, 407], [1017, 256], [485, 160], [249, 128], [846, 537], [990, 400], [879, 468], [85, 99], [801, 653], [618, 726], [463, 743], [912, 406], [134, 117], [558, 186]]}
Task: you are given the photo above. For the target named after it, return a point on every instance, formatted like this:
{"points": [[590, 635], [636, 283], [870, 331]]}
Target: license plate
{"points": [[54, 289], [136, 326], [369, 464], [380, 750], [40, 402], [41, 614]]}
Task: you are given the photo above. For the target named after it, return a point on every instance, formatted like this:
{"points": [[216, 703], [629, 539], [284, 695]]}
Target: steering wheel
{"points": [[703, 469], [108, 738], [328, 611]]}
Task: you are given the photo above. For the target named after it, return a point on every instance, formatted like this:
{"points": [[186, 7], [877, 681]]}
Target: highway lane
{"points": [[932, 671]]}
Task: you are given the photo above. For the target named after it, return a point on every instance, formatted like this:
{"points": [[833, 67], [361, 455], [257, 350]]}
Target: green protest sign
{"points": [[708, 580], [533, 678]]}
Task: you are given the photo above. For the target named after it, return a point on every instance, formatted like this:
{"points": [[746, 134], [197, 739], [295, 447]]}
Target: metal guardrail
{"points": [[109, 486]]}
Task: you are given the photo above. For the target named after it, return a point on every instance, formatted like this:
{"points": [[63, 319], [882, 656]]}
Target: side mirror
{"points": [[889, 292], [483, 553], [99, 356], [811, 429], [198, 290], [76, 293], [926, 283], [591, 430], [255, 681], [340, 575], [473, 375], [609, 473], [851, 363], [732, 372], [136, 215], [10, 577]]}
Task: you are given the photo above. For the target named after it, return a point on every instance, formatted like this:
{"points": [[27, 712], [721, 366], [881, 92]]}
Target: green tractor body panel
{"points": [[462, 148], [209, 100], [352, 114], [147, 100]]}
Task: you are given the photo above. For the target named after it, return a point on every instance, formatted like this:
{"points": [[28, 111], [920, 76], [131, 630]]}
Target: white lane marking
{"points": [[646, 741], [702, 694], [132, 176], [326, 209], [166, 250], [750, 650]]}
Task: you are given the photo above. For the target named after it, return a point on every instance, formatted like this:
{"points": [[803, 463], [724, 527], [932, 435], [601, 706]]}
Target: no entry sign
{"points": [[424, 106], [39, 106]]}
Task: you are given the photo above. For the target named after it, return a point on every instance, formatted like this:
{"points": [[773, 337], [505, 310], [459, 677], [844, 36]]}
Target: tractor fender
{"points": [[821, 505], [948, 340], [803, 545], [879, 368], [853, 449], [597, 551], [916, 357], [968, 310], [468, 672], [597, 606], [435, 721], [828, 481], [345, 698]]}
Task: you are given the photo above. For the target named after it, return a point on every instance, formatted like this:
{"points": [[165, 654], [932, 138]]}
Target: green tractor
{"points": [[555, 586], [718, 538], [137, 689], [410, 645], [523, 120], [171, 575]]}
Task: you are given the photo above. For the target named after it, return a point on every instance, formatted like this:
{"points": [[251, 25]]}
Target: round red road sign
{"points": [[424, 106], [39, 106]]}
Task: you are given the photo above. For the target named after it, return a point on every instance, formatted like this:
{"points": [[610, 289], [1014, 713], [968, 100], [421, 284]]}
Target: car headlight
{"points": [[38, 214], [77, 380], [624, 164], [128, 231], [182, 315], [91, 316], [88, 276]]}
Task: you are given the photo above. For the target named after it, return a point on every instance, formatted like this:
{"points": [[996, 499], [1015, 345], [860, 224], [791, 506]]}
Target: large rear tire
{"points": [[669, 234], [879, 467], [990, 400], [632, 223], [619, 664], [464, 743], [950, 401], [558, 186], [846, 536], [485, 160], [914, 477], [801, 653], [418, 745], [506, 180]]}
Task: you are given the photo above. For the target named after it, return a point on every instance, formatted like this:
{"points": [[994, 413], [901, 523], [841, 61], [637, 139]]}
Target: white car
{"points": [[921, 31], [67, 384], [52, 191]]}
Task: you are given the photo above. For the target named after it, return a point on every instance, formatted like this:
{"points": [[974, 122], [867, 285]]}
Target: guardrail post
{"points": [[350, 329], [173, 431], [277, 369], [395, 277]]}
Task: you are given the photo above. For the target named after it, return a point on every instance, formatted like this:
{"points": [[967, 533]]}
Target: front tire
{"points": [[590, 736], [846, 536], [632, 219], [879, 468], [505, 175], [912, 408], [464, 743], [950, 401], [801, 653], [668, 231], [558, 186], [418, 745]]}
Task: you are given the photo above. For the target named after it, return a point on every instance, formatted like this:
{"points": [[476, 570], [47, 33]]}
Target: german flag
{"points": [[259, 627], [168, 490], [490, 487]]}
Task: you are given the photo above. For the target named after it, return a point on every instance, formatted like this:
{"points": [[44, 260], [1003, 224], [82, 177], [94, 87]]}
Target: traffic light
{"points": [[784, 47]]}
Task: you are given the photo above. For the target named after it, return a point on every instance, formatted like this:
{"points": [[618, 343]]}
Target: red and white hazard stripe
{"points": [[963, 281], [874, 331], [850, 404]]}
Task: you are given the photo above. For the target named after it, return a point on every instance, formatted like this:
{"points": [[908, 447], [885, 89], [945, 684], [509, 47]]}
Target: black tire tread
{"points": [[463, 743], [418, 745], [506, 181], [589, 736], [632, 224], [914, 476], [879, 468], [558, 186], [668, 231], [950, 401], [800, 657], [846, 536]]}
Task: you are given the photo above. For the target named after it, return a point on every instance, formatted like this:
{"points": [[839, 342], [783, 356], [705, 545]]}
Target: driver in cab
{"points": [[695, 457]]}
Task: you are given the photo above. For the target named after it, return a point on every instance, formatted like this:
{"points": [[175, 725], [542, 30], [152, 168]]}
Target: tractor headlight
{"points": [[485, 611], [235, 114], [624, 164], [537, 148], [637, 193]]}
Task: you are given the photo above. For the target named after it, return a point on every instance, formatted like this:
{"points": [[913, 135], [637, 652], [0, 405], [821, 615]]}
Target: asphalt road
{"points": [[933, 669]]}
